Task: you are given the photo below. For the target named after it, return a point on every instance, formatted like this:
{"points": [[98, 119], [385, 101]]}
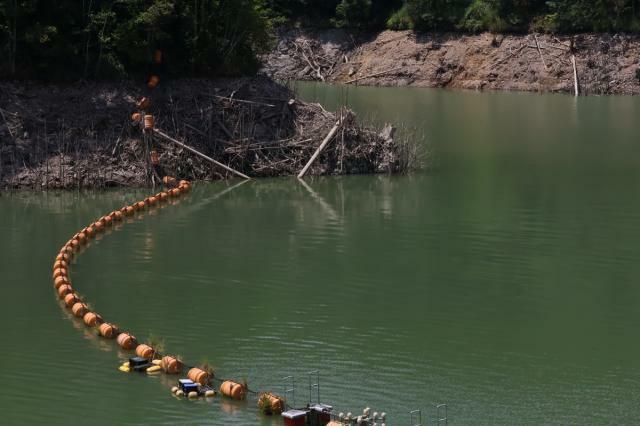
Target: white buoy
{"points": [[174, 389], [193, 395], [210, 393]]}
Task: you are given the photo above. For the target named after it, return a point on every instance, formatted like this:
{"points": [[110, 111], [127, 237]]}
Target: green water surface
{"points": [[505, 282]]}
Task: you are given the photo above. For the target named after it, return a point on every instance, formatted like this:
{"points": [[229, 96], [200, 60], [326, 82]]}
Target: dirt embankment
{"points": [[606, 64], [82, 135]]}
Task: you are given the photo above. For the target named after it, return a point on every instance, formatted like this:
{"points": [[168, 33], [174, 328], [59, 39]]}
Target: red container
{"points": [[295, 418]]}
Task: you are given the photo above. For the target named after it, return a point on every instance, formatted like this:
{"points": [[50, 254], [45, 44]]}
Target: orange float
{"points": [[169, 181], [89, 231], [274, 403], [145, 351], [58, 282], [153, 82], [91, 319], [157, 57], [129, 211], [140, 205], [107, 330], [70, 299], [233, 390], [126, 341], [153, 201], [136, 117], [79, 309], [99, 226], [63, 290], [82, 238], [60, 272], [174, 192], [60, 264], [148, 121], [171, 365], [63, 256], [198, 375], [107, 220]]}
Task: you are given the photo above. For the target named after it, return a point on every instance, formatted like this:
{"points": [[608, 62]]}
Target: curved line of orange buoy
{"points": [[79, 308]]}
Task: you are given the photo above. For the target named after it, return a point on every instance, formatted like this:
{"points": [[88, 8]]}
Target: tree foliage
{"points": [[116, 38]]}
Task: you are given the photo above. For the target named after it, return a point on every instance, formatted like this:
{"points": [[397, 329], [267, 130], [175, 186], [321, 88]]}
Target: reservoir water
{"points": [[504, 281]]}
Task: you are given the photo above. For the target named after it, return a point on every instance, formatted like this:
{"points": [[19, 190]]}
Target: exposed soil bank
{"points": [[606, 64], [82, 135]]}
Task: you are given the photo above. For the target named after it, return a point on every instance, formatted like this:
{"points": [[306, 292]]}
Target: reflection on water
{"points": [[503, 283]]}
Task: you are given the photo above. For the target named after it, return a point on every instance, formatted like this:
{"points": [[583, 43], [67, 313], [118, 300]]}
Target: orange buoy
{"points": [[169, 181], [117, 216], [136, 117], [145, 351], [89, 231], [60, 272], [74, 244], [68, 249], [63, 256], [157, 56], [233, 390], [82, 238], [148, 121], [198, 375], [79, 309], [153, 201], [153, 82], [155, 159], [175, 192], [59, 281], [273, 403], [129, 211], [91, 319], [63, 290], [60, 264], [126, 341], [163, 196], [171, 365], [70, 299], [144, 103], [99, 226], [107, 330], [141, 205], [107, 220]]}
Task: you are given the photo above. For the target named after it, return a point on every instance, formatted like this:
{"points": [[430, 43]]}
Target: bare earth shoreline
{"points": [[605, 63]]}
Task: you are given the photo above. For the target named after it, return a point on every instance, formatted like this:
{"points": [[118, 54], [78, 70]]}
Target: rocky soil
{"points": [[605, 63]]}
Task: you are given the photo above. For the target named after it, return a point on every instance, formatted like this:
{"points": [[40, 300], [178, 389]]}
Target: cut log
{"points": [[324, 143], [575, 75], [372, 75], [188, 148]]}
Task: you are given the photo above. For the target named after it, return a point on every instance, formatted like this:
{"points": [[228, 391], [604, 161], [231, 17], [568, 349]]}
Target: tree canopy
{"points": [[61, 39]]}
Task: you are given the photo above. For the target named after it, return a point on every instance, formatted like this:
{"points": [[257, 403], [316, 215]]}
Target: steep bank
{"points": [[606, 64], [82, 135]]}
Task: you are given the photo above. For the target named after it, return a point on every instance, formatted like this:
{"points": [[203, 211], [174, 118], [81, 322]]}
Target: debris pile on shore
{"points": [[82, 135], [605, 63]]}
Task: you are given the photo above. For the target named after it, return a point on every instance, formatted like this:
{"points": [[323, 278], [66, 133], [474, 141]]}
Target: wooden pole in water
{"points": [[324, 143], [188, 148], [575, 75]]}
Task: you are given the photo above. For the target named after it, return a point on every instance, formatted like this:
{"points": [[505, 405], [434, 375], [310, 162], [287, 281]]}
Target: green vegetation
{"points": [[71, 39]]}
